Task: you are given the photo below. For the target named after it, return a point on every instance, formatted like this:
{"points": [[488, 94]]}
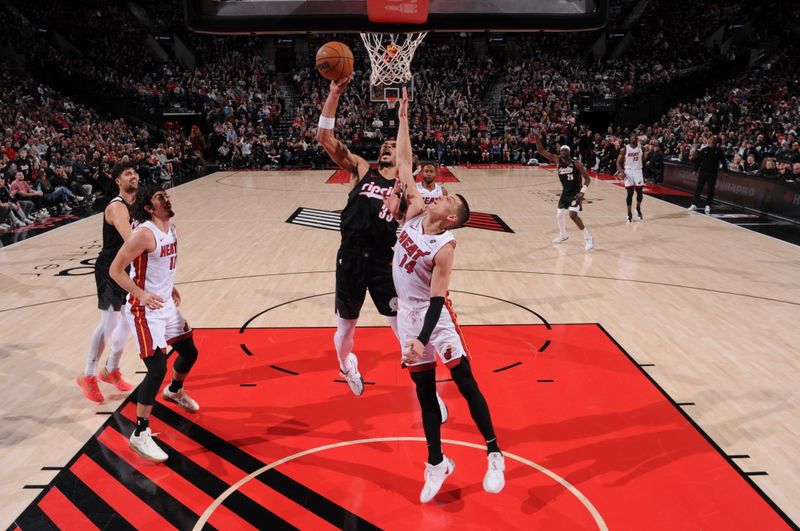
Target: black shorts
{"points": [[357, 272], [109, 294], [567, 200]]}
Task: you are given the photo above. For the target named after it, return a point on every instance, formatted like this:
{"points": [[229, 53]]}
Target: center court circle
{"points": [[598, 519]]}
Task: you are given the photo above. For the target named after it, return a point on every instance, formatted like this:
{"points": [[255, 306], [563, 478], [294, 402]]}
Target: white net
{"points": [[391, 55]]}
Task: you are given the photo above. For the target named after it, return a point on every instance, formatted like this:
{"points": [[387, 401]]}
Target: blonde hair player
{"points": [[570, 172], [421, 267]]}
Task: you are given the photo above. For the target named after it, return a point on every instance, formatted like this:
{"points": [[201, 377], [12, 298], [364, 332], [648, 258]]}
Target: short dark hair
{"points": [[120, 167], [144, 197], [462, 212]]}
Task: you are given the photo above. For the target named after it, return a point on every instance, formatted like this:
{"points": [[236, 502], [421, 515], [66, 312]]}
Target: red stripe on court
{"points": [[173, 483], [117, 496], [62, 512], [283, 507], [138, 311], [449, 305]]}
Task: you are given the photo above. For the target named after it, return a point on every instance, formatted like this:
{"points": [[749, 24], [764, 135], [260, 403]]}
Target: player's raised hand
{"points": [[338, 87], [402, 110]]}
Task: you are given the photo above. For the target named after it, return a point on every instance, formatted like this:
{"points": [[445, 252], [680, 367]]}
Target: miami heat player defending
{"points": [[629, 164], [421, 266], [570, 172], [428, 188], [152, 311]]}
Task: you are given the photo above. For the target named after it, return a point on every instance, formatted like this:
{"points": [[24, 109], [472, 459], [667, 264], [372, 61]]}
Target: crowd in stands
{"points": [[60, 153], [257, 119]]}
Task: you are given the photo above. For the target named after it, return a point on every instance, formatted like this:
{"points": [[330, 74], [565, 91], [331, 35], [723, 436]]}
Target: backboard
{"points": [[350, 16]]}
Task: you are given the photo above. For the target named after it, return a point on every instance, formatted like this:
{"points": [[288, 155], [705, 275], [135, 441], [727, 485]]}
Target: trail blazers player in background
{"points": [[369, 231], [421, 266], [629, 165], [113, 328], [428, 188], [152, 311], [570, 172]]}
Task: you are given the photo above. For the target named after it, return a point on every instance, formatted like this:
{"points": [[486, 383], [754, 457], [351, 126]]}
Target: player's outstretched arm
{"points": [[141, 241], [337, 151], [404, 161], [540, 148]]}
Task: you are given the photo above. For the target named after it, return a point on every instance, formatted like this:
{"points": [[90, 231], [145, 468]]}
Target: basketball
{"points": [[334, 60]]}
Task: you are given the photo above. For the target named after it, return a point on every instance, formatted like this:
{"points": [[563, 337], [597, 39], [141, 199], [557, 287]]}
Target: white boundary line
{"points": [[558, 479]]}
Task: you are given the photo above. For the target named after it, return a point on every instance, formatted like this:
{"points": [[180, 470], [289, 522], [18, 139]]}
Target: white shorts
{"points": [[156, 328], [633, 178], [445, 339]]}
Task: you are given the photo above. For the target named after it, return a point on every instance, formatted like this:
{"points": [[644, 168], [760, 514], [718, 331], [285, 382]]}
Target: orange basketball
{"points": [[334, 60]]}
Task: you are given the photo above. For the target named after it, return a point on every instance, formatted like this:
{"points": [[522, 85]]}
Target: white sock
{"points": [[100, 338], [343, 340], [118, 340], [586, 233], [561, 217]]}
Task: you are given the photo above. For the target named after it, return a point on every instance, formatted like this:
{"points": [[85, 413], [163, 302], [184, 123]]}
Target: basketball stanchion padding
{"points": [[397, 11]]}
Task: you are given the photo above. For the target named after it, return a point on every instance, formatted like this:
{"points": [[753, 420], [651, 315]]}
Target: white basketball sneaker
{"points": [[352, 376], [495, 479], [560, 238], [692, 208], [180, 398], [442, 408], [434, 477], [708, 209], [144, 445], [589, 243]]}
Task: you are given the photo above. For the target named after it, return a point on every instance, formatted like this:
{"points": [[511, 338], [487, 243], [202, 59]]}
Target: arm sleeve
{"points": [[431, 318]]}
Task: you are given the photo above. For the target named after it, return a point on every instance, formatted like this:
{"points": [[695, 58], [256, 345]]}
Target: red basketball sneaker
{"points": [[114, 378], [90, 389]]}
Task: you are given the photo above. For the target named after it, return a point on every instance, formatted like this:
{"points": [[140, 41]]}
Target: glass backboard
{"points": [[350, 16]]}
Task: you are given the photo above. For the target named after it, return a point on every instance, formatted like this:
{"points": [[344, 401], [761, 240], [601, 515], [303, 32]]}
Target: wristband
{"points": [[584, 188], [326, 123], [431, 318]]}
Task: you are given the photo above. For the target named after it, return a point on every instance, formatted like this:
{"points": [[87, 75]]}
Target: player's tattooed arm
{"points": [[335, 148]]}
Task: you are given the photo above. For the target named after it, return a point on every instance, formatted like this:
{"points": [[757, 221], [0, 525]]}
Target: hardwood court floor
{"points": [[707, 307]]}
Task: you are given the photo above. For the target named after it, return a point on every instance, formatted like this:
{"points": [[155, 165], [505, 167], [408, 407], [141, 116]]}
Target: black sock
{"points": [[175, 385], [142, 423], [491, 446], [435, 456]]}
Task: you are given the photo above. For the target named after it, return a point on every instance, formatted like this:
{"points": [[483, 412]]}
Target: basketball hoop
{"points": [[390, 55]]}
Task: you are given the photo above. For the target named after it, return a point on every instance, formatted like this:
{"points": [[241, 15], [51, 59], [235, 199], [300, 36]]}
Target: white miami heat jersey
{"points": [[412, 265], [154, 271], [633, 158], [429, 196]]}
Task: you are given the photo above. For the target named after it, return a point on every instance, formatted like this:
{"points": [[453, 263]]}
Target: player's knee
{"points": [[156, 370], [425, 383], [187, 355], [464, 379]]}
